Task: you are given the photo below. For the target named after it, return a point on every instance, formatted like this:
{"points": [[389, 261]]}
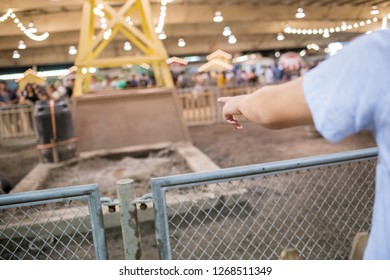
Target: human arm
{"points": [[274, 107]]}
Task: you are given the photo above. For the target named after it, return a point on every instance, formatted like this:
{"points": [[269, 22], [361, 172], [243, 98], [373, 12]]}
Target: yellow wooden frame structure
{"points": [[144, 38]]}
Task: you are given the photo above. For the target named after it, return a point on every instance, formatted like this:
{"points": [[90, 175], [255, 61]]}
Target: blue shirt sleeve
{"points": [[344, 92]]}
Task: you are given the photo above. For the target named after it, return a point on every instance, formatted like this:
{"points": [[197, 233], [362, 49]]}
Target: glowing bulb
{"points": [[22, 45], [218, 17], [181, 43], [72, 50], [374, 10], [300, 13], [227, 31], [280, 37], [127, 46], [32, 28], [16, 55], [162, 35], [232, 39]]}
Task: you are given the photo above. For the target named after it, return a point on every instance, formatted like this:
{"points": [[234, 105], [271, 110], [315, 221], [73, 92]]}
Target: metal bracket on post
{"points": [[129, 219]]}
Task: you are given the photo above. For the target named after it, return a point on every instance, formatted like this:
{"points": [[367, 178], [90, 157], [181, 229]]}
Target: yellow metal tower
{"points": [[91, 43]]}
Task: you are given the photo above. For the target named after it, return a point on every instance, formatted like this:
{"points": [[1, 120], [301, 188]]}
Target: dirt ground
{"points": [[253, 144], [226, 147], [107, 170]]}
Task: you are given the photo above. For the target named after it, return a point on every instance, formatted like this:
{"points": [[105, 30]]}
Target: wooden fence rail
{"points": [[200, 106], [17, 122]]}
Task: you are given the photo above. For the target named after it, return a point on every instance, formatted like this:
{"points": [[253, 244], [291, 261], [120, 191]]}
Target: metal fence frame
{"points": [[162, 184], [90, 193]]}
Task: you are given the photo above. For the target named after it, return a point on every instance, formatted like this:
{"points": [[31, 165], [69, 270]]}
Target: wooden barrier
{"points": [[126, 118], [17, 123], [200, 105]]}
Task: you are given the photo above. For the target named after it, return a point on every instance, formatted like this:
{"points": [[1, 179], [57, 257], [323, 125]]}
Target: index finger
{"points": [[222, 99]]}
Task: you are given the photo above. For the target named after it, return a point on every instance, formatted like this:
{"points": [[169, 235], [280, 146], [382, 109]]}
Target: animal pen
{"points": [[315, 205]]}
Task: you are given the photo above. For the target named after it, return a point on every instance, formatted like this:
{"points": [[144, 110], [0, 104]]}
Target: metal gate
{"points": [[63, 223], [315, 205]]}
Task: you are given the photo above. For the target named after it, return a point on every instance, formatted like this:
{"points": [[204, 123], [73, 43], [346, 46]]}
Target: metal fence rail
{"points": [[63, 223], [315, 205]]}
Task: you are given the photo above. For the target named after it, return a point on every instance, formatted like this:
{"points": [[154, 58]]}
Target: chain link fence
{"points": [[314, 205], [56, 224]]}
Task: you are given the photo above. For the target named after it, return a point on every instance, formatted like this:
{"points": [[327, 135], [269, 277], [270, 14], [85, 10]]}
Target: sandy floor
{"points": [[253, 144]]}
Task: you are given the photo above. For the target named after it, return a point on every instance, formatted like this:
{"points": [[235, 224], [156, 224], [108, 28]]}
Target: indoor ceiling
{"points": [[255, 24]]}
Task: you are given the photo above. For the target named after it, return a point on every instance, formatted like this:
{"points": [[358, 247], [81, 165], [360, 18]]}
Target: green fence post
{"points": [[129, 219]]}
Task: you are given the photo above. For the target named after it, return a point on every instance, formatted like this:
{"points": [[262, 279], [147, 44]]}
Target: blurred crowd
{"points": [[33, 92]]}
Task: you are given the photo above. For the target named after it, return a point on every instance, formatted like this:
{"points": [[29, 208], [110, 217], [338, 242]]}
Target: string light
{"points": [[145, 66], [98, 10], [107, 34], [327, 31], [176, 59], [29, 32], [6, 15], [215, 62], [161, 20], [219, 53]]}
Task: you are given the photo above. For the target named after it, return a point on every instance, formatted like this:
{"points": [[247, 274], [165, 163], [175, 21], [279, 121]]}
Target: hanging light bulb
{"points": [[326, 33], [22, 45], [232, 39], [162, 35], [16, 55], [72, 50], [374, 10], [127, 46], [227, 31], [218, 17], [300, 13], [277, 54], [31, 27], [181, 43], [280, 36]]}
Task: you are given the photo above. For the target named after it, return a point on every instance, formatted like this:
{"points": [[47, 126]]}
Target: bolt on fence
{"points": [[315, 205], [52, 224]]}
